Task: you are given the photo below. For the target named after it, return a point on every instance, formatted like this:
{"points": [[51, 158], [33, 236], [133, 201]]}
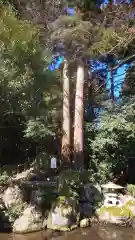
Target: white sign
{"points": [[53, 162]]}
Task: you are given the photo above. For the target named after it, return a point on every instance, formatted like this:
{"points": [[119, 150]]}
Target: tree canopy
{"points": [[31, 95]]}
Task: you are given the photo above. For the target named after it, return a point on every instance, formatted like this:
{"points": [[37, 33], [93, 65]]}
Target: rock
{"points": [[63, 216], [30, 221], [23, 175], [90, 193], [120, 215], [11, 196], [126, 199], [85, 222], [131, 205], [86, 210], [5, 225], [132, 209], [2, 205]]}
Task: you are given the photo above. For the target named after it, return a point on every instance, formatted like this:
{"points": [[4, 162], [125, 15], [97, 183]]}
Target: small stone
{"points": [[85, 222]]}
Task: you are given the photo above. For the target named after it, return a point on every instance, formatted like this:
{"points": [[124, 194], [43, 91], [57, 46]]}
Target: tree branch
{"points": [[123, 62]]}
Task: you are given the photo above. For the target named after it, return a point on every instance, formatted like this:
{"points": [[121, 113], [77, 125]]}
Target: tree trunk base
{"points": [[78, 162], [66, 156]]}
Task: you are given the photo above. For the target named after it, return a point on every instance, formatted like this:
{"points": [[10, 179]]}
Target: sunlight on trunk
{"points": [[79, 118], [66, 116]]}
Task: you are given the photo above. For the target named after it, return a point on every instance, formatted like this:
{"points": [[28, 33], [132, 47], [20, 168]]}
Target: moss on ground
{"points": [[130, 203], [116, 211]]}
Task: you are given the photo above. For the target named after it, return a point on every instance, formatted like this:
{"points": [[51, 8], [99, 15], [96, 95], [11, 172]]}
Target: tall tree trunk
{"points": [[79, 119], [66, 126]]}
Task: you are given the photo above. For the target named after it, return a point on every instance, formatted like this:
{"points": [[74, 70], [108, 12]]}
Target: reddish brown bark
{"points": [[79, 118], [66, 124]]}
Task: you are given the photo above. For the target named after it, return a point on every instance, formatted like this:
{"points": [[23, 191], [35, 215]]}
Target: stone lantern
{"points": [[111, 196]]}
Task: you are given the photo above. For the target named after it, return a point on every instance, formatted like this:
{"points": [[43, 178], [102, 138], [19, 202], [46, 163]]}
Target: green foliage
{"points": [[70, 182], [113, 142], [128, 89], [4, 177], [100, 170], [48, 196], [18, 43], [131, 189], [18, 47], [95, 33], [36, 94], [16, 210], [31, 90], [37, 129]]}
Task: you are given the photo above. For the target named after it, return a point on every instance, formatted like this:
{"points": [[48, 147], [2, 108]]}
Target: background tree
{"points": [[83, 38], [91, 34], [29, 94]]}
